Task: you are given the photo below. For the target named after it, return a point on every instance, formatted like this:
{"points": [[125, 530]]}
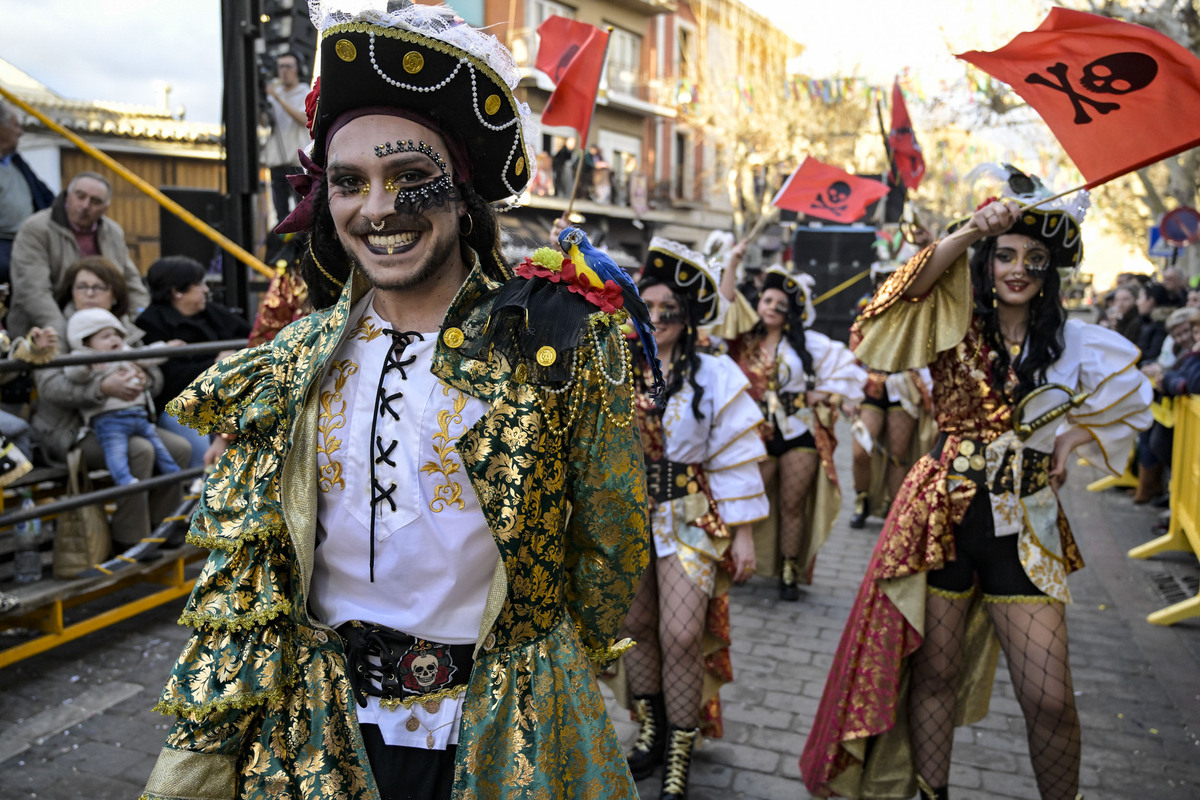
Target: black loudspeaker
{"points": [[833, 255], [177, 238]]}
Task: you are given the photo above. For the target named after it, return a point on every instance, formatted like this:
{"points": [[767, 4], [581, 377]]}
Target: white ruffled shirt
{"points": [[835, 371], [434, 555], [726, 442]]}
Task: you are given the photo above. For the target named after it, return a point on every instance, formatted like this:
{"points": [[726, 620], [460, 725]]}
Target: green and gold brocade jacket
{"points": [[263, 704]]}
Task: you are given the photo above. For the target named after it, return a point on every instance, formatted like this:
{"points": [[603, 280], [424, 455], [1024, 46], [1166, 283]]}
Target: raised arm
{"points": [[992, 219]]}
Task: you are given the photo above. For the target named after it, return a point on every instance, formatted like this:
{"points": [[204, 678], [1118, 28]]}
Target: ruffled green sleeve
{"points": [[608, 544], [239, 656], [899, 332]]}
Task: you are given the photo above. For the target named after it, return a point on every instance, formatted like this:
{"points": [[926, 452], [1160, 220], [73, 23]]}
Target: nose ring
{"points": [[377, 227]]}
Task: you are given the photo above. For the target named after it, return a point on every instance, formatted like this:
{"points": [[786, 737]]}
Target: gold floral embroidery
{"points": [[365, 331], [333, 416], [450, 492]]}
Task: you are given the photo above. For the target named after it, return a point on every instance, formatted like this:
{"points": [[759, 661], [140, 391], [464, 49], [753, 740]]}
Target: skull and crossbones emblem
{"points": [[1115, 74], [425, 670], [835, 198]]}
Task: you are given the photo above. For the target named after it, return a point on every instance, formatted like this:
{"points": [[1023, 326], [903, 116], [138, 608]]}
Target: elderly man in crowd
{"points": [[21, 191], [53, 239]]}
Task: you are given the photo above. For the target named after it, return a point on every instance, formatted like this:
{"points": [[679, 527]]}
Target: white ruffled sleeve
{"points": [[837, 371], [1119, 404], [734, 446]]}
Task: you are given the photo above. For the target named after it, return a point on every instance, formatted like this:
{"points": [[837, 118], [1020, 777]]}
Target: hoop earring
{"points": [[470, 225]]}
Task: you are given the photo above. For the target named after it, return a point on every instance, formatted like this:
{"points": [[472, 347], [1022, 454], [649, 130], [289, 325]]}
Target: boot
{"points": [[1149, 484], [927, 792], [679, 761], [787, 581], [647, 752], [859, 520]]}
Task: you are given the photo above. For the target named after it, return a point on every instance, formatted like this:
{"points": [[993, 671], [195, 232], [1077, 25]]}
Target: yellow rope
{"points": [[191, 219], [842, 286]]}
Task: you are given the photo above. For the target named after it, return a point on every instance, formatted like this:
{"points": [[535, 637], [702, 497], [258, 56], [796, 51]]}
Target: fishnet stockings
{"points": [[935, 670], [899, 441], [666, 620], [797, 469], [872, 420], [1034, 639]]}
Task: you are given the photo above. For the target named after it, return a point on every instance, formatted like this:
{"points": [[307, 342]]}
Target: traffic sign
{"points": [[1158, 245]]}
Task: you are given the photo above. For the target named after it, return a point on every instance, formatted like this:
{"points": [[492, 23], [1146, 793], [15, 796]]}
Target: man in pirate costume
{"points": [[431, 519]]}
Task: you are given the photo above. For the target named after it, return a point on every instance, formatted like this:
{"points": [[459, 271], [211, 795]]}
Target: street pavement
{"points": [[76, 721]]}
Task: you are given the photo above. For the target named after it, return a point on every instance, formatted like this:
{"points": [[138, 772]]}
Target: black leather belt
{"points": [[393, 666], [970, 462], [669, 480]]}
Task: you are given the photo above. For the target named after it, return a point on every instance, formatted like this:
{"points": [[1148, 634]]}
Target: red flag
{"points": [[819, 190], [572, 54], [1118, 96], [906, 153]]}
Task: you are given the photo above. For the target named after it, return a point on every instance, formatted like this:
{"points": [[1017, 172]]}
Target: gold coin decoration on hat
{"points": [[546, 356], [492, 104], [658, 262], [683, 275], [413, 62], [345, 50], [520, 166]]}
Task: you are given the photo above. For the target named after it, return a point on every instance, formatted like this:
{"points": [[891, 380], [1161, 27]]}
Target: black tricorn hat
{"points": [[426, 60], [686, 272]]}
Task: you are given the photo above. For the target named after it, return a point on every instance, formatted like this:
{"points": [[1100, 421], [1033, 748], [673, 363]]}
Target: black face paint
{"points": [[673, 317], [437, 193]]}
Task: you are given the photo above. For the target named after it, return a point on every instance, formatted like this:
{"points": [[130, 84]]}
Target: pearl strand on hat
{"points": [[410, 87]]}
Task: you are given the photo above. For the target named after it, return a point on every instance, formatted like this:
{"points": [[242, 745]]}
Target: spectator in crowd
{"points": [[36, 347], [50, 241], [1153, 308], [1179, 336], [565, 161], [180, 310], [116, 421], [1176, 286], [21, 191], [1185, 377], [1123, 315], [57, 420], [289, 129], [1193, 298]]}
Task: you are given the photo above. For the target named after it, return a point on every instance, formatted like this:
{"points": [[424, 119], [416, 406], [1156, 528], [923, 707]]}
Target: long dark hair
{"points": [[1046, 321], [793, 332], [327, 249], [686, 360]]}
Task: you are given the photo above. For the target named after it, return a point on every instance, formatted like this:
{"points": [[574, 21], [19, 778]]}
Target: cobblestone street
{"points": [[76, 721]]}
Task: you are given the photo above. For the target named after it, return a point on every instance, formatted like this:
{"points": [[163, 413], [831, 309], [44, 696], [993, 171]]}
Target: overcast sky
{"points": [[121, 50]]}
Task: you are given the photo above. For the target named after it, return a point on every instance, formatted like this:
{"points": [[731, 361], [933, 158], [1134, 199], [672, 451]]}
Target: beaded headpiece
{"points": [[686, 272], [798, 289], [424, 58], [1055, 224]]}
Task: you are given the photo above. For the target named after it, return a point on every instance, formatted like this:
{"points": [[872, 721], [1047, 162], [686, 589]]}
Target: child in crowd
{"points": [[36, 347], [98, 330]]}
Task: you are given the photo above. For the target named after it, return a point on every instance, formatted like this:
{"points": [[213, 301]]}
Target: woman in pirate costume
{"points": [[702, 451], [975, 551], [430, 521], [799, 377], [894, 425]]}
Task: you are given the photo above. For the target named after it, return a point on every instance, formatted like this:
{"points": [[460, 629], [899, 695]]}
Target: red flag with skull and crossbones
{"points": [[826, 192], [1118, 96]]}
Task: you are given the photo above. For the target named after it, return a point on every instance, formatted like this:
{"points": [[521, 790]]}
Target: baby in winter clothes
{"points": [[94, 330]]}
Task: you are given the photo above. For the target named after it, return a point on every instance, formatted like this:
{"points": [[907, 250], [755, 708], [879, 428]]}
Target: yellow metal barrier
{"points": [[43, 603], [1184, 532]]}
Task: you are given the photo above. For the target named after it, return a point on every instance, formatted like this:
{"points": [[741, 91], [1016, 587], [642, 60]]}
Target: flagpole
{"points": [[1073, 190], [585, 133]]}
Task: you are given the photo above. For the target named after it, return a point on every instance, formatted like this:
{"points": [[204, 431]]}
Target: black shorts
{"points": [[978, 551], [778, 445], [882, 402]]}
